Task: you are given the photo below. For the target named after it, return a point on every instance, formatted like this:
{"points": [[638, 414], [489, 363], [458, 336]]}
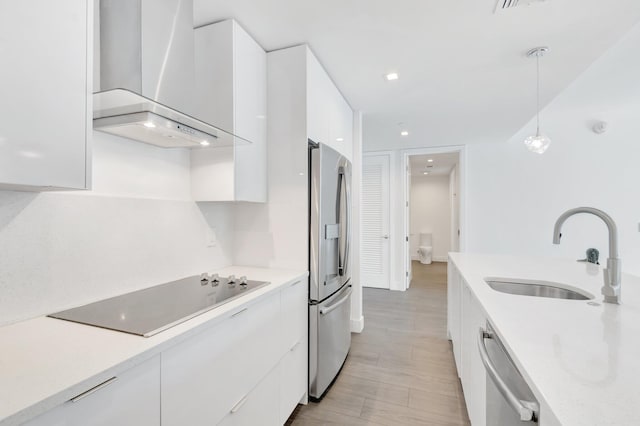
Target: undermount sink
{"points": [[522, 287]]}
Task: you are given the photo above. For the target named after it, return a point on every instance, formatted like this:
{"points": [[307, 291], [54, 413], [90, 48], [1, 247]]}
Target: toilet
{"points": [[425, 249]]}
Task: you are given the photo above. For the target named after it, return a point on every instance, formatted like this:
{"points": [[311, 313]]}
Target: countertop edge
{"points": [[539, 394], [174, 336]]}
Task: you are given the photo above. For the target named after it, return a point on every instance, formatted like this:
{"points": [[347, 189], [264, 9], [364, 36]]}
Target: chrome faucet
{"points": [[613, 271]]}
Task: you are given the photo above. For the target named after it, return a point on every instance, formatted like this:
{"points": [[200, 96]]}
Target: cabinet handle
{"points": [[296, 283], [239, 404], [93, 389], [239, 312]]}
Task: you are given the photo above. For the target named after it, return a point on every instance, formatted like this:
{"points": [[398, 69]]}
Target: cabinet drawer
{"points": [[294, 314], [293, 379], [132, 398], [258, 407], [259, 348], [208, 374]]}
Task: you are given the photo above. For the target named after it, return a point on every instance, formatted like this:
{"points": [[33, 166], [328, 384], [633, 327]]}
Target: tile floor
{"points": [[400, 370]]}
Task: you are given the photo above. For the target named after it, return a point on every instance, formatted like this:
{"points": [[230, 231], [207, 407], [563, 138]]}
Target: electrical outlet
{"points": [[211, 239]]}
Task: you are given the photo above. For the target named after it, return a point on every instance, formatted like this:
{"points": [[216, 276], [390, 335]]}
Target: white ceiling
{"points": [[441, 165], [463, 74]]}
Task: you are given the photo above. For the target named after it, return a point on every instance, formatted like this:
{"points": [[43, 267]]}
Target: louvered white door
{"points": [[374, 247]]}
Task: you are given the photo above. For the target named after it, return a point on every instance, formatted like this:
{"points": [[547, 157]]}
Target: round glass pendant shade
{"points": [[537, 143]]}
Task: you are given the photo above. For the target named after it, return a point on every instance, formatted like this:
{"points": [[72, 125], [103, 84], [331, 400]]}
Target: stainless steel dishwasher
{"points": [[510, 401]]}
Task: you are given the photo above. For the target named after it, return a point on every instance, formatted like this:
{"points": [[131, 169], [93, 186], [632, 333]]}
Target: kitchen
{"points": [[140, 215]]}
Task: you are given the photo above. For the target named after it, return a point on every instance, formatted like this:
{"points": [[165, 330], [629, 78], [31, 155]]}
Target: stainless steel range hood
{"points": [[147, 75]]}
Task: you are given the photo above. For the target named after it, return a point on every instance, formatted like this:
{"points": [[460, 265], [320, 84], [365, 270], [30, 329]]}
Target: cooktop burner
{"points": [[152, 310]]}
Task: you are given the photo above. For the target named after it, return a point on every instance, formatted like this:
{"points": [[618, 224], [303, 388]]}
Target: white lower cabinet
{"points": [[249, 368], [204, 377], [465, 317], [473, 375], [293, 379], [259, 406], [242, 371], [454, 313], [131, 399], [294, 314]]}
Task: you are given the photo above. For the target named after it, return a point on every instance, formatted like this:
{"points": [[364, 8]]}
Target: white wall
{"points": [[357, 318], [514, 196], [135, 229], [430, 211]]}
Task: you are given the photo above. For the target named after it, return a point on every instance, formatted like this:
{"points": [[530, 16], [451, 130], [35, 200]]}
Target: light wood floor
{"points": [[400, 370]]}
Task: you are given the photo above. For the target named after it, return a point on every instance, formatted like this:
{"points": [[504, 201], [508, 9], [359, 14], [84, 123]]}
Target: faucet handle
{"points": [[204, 278]]}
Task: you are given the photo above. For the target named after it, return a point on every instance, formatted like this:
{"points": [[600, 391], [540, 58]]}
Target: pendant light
{"points": [[537, 143]]}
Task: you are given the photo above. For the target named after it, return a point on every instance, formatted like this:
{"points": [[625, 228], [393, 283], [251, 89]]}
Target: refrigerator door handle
{"points": [[327, 309], [347, 215], [345, 237]]}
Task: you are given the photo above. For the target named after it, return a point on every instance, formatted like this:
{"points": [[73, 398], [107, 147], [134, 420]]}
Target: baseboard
{"points": [[415, 257], [357, 325]]}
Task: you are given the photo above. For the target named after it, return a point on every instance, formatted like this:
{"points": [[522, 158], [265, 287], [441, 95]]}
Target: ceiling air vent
{"points": [[509, 4]]}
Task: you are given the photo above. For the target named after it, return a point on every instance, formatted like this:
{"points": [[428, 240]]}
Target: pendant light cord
{"points": [[538, 94]]}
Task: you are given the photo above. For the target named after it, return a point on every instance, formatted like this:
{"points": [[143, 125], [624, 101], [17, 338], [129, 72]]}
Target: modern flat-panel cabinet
{"points": [[293, 367], [329, 116], [242, 371], [231, 82], [454, 313], [45, 106], [130, 398], [249, 368], [473, 376], [464, 319], [258, 407], [204, 378]]}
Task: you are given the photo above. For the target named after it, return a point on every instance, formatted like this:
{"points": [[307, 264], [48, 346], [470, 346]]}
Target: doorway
{"points": [[432, 216]]}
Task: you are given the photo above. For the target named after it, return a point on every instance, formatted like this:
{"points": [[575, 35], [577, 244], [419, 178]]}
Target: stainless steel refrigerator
{"points": [[329, 270]]}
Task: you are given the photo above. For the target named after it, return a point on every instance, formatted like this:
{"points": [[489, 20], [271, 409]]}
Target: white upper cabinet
{"points": [[329, 116], [45, 107], [231, 84]]}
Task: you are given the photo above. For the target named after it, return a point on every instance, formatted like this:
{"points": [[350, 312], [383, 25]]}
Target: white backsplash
{"points": [[137, 228]]}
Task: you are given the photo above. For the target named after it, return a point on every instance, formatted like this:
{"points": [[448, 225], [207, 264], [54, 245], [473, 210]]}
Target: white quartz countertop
{"points": [[45, 361], [582, 361]]}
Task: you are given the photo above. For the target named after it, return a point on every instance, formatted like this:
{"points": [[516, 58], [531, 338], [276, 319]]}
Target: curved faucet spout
{"points": [[613, 272], [613, 229]]}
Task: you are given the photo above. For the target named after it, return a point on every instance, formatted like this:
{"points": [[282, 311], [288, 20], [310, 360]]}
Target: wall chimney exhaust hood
{"points": [[147, 76]]}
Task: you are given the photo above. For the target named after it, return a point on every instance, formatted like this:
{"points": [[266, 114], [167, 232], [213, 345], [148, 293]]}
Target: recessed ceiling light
{"points": [[425, 173], [339, 139], [430, 160], [204, 143], [391, 76], [404, 133], [149, 125]]}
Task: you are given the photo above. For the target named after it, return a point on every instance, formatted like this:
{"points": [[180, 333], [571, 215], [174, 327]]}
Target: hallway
{"points": [[400, 370]]}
